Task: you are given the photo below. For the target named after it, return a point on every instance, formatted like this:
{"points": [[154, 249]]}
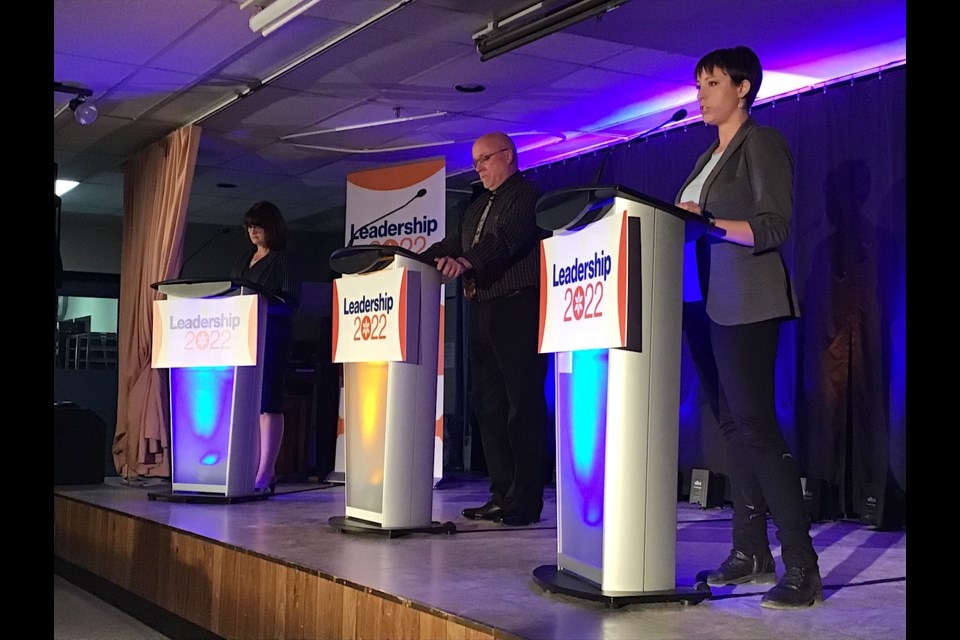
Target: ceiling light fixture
{"points": [[62, 186], [494, 42], [274, 14], [84, 112], [303, 59], [362, 125]]}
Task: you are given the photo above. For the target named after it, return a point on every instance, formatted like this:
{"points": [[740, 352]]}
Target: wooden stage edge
{"points": [[149, 569]]}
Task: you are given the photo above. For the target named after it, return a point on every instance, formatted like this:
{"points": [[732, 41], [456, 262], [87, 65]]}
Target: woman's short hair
{"points": [[740, 63], [267, 215]]}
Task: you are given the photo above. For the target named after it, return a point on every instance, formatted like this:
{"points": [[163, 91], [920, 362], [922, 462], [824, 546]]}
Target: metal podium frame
{"points": [[390, 456], [231, 394], [616, 521]]}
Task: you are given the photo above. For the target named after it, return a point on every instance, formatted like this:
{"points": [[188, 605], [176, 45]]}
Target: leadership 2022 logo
{"points": [[586, 294], [202, 332], [369, 316], [583, 282], [414, 235]]}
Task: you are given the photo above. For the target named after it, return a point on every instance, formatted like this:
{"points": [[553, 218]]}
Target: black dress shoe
{"points": [[518, 518], [489, 511], [799, 588]]}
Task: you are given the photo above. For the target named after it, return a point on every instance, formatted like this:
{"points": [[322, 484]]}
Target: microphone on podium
{"points": [[202, 247], [353, 234], [677, 116]]}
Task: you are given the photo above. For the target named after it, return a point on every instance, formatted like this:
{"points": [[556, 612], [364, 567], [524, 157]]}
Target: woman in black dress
{"points": [[269, 265]]}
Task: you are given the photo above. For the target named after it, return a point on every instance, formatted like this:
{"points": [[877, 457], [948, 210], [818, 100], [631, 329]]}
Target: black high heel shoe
{"points": [[268, 490]]}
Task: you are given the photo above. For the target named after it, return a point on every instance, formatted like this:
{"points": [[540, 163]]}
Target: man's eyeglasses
{"points": [[248, 227], [485, 157]]}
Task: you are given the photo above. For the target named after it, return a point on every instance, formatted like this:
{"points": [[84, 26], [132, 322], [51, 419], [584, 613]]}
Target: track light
{"points": [[83, 112], [274, 14], [494, 42]]}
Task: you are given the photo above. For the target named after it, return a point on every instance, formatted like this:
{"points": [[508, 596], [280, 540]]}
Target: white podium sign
{"points": [[375, 317], [587, 288], [205, 332]]}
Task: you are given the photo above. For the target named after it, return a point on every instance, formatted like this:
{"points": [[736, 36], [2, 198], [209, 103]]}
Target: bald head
{"points": [[495, 157]]}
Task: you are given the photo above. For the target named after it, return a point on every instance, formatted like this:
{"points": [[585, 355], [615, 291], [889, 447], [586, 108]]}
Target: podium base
{"points": [[336, 477], [353, 525], [205, 498], [554, 579]]}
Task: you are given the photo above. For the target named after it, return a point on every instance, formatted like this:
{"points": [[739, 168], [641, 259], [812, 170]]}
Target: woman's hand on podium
{"points": [[690, 206]]}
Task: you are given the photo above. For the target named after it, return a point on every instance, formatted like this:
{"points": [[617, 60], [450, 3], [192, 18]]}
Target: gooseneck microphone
{"points": [[353, 234], [677, 116], [202, 247]]}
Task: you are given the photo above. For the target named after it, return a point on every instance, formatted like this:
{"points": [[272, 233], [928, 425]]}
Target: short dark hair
{"points": [[267, 215], [740, 63]]}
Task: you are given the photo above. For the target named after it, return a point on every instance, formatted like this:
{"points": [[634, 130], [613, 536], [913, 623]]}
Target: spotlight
{"points": [[83, 112]]}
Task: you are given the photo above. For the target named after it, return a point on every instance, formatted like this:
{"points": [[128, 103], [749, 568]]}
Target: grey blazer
{"points": [[753, 181]]}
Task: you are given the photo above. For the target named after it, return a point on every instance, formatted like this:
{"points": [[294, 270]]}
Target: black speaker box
{"points": [[821, 498], [884, 506], [79, 437], [706, 488]]}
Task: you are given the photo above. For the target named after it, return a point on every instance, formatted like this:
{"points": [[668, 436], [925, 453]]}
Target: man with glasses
{"points": [[494, 250]]}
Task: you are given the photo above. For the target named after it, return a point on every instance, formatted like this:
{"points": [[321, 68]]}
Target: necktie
{"points": [[470, 284]]}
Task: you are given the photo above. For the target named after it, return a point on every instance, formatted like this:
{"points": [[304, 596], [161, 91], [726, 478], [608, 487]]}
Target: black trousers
{"points": [[507, 378], [763, 473]]}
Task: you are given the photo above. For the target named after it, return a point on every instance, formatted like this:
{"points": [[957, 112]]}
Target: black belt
{"points": [[510, 294]]}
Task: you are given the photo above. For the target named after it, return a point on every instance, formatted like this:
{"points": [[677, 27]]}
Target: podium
{"points": [[611, 309], [386, 324], [210, 335]]}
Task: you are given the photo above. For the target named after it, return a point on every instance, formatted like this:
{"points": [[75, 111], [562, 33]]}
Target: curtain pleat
{"points": [[156, 191]]}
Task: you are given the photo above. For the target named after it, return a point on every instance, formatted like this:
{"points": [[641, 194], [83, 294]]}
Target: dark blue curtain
{"points": [[841, 366]]}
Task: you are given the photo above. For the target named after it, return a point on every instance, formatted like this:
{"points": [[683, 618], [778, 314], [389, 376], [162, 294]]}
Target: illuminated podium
{"points": [[611, 281], [386, 324], [210, 335]]}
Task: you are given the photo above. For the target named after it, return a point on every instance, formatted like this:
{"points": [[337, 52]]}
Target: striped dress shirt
{"points": [[506, 255]]}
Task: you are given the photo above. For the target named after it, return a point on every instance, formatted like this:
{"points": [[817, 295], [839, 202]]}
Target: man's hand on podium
{"points": [[452, 268]]}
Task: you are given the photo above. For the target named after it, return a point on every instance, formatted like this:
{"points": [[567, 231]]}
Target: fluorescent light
{"points": [[62, 186], [500, 41], [362, 125], [278, 13]]}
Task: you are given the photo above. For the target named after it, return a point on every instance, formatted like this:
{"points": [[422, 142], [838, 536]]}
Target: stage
{"points": [[276, 568]]}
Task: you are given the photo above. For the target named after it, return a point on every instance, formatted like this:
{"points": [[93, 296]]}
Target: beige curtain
{"points": [[156, 189]]}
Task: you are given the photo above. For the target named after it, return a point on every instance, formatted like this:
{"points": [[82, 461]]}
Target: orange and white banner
{"points": [[371, 194], [205, 332], [589, 295]]}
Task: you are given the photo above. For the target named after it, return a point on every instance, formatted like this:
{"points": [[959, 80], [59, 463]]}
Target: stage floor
{"points": [[483, 572]]}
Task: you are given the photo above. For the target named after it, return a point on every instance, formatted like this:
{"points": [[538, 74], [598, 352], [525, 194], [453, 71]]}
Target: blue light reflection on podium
{"points": [[582, 419], [201, 401]]}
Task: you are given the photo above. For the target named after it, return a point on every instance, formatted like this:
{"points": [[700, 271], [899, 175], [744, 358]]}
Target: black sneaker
{"points": [[739, 568], [798, 589]]}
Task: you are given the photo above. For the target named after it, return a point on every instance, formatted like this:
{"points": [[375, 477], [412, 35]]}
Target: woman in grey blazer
{"points": [[744, 185]]}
